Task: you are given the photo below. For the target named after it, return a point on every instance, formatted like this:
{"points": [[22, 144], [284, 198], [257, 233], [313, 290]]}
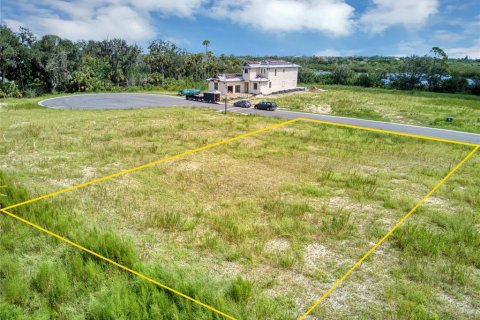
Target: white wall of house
{"points": [[252, 89], [237, 86], [262, 87], [282, 78], [251, 75], [279, 78], [212, 87]]}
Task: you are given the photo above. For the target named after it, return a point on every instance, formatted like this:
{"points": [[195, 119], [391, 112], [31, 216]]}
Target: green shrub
{"points": [[52, 281], [109, 245], [10, 311], [240, 290], [13, 283], [417, 240], [337, 223], [10, 89]]}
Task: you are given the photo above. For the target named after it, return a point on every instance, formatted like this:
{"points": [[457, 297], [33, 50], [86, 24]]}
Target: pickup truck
{"points": [[186, 92]]}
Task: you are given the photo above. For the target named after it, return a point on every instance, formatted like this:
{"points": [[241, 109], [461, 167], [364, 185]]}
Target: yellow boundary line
{"points": [[138, 274], [180, 155], [399, 223], [177, 156]]}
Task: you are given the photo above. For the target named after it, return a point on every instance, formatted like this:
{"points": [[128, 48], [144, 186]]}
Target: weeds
{"points": [[338, 224], [240, 290], [265, 207]]}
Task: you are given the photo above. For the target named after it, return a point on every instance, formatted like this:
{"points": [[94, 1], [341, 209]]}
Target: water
{"points": [[391, 76]]}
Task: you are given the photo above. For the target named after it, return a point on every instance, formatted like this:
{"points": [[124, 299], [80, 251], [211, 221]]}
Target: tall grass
{"points": [[67, 283], [284, 211]]}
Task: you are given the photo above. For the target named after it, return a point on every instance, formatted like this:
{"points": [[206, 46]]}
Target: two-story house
{"points": [[258, 77]]}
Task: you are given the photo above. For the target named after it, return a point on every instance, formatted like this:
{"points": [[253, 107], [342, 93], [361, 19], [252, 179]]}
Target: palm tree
{"points": [[206, 43]]}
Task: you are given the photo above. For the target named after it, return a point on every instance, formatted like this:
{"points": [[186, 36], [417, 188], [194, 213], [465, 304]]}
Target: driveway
{"points": [[143, 100], [118, 101]]}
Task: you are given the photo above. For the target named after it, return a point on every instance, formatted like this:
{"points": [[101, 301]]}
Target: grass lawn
{"points": [[259, 228], [412, 107]]}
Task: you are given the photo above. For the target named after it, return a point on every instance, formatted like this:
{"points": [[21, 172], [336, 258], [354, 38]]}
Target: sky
{"points": [[263, 27]]}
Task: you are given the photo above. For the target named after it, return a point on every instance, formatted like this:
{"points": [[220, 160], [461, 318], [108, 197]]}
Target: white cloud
{"points": [[332, 17], [99, 19], [107, 22], [387, 13], [328, 53], [473, 51], [448, 36]]}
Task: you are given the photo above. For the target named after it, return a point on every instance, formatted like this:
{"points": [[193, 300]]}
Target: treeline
{"points": [[31, 67], [430, 72]]}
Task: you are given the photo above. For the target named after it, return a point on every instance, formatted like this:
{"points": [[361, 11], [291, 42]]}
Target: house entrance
{"points": [[246, 87]]}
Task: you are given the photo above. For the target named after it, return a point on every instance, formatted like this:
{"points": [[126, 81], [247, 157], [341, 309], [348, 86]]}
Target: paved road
{"points": [[140, 100], [118, 101]]}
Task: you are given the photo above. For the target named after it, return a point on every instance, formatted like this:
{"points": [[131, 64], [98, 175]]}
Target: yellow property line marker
{"points": [[410, 135], [180, 155], [78, 246], [399, 223], [177, 156], [138, 274]]}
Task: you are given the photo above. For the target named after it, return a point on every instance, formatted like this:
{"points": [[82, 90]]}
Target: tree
{"points": [[411, 73], [364, 80], [438, 69], [167, 58], [9, 49], [206, 43], [342, 74]]}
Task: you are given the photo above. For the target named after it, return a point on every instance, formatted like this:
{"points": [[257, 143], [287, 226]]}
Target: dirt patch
{"points": [[461, 303], [320, 109], [346, 203], [436, 202], [315, 252], [189, 166], [315, 89], [277, 245], [89, 172]]}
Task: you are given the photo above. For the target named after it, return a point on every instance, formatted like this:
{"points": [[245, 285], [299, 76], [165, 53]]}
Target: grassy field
{"points": [[412, 107], [258, 228]]}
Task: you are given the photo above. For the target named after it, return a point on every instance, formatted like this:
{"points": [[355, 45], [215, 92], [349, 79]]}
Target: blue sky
{"points": [[263, 27]]}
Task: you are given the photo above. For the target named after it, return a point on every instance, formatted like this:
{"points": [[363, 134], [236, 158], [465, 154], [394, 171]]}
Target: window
{"points": [[269, 84], [237, 88], [215, 86], [275, 72], [246, 71], [284, 70], [255, 86]]}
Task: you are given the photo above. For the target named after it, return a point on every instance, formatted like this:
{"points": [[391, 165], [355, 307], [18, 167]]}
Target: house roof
{"points": [[227, 77], [270, 64]]}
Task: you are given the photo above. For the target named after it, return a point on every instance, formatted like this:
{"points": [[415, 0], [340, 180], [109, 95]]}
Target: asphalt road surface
{"points": [[142, 100]]}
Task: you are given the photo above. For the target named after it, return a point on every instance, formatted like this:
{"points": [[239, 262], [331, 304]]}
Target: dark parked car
{"points": [[242, 104], [265, 105]]}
